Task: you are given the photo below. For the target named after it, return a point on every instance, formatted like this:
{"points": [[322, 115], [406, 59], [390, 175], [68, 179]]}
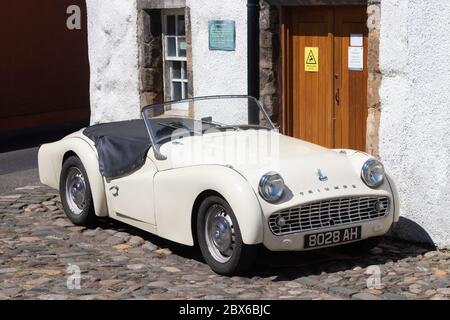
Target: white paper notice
{"points": [[356, 39], [356, 58]]}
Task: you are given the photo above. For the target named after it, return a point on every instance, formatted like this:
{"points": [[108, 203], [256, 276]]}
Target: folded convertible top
{"points": [[121, 146]]}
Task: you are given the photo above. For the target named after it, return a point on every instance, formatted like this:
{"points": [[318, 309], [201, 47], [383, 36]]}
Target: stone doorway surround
{"points": [[151, 63], [374, 76]]}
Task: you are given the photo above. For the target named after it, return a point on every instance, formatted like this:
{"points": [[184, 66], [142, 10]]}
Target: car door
{"points": [[131, 196]]}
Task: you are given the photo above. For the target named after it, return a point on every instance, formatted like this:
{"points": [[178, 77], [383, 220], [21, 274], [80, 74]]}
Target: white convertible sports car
{"points": [[214, 172]]}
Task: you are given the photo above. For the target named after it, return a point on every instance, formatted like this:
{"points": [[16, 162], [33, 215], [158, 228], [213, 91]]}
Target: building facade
{"points": [[340, 73]]}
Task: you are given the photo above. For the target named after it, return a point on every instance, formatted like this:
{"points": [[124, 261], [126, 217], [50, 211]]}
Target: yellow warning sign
{"points": [[311, 59]]}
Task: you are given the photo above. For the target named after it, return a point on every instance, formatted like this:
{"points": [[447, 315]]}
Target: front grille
{"points": [[328, 213]]}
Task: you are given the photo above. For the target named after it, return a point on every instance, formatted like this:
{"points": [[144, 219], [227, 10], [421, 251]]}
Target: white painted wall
{"points": [[218, 72], [113, 56], [415, 117]]}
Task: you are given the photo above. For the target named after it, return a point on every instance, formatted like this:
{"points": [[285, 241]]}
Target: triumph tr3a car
{"points": [[215, 172]]}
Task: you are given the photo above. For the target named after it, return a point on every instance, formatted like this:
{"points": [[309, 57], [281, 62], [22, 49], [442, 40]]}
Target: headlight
{"points": [[271, 187], [373, 173]]}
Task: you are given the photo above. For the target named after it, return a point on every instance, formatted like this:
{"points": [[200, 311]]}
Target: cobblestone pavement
{"points": [[40, 250]]}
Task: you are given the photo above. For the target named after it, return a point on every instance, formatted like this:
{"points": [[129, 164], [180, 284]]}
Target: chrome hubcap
{"points": [[219, 232], [75, 190]]}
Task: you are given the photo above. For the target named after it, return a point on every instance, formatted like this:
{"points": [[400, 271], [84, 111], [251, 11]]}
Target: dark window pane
{"points": [[181, 26], [170, 25], [176, 70], [185, 89], [177, 93], [171, 47], [183, 71]]}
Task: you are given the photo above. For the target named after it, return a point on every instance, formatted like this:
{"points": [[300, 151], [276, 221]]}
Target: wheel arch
{"points": [[69, 154], [176, 219], [194, 214], [52, 156]]}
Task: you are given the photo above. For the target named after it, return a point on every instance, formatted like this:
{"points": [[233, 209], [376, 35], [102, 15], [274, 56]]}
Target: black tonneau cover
{"points": [[121, 146]]}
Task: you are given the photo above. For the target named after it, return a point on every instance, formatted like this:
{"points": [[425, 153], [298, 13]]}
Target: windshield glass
{"points": [[176, 119]]}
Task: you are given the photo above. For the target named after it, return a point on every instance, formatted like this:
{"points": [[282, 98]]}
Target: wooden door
{"points": [[350, 84], [326, 104], [310, 93]]}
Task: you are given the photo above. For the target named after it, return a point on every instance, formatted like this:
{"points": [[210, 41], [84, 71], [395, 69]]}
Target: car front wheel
{"points": [[220, 240], [75, 193]]}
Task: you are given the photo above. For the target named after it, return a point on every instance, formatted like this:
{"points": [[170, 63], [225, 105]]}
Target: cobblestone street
{"points": [[39, 249]]}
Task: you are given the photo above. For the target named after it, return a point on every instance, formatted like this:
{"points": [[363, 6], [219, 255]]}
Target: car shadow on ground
{"points": [[292, 265], [282, 266]]}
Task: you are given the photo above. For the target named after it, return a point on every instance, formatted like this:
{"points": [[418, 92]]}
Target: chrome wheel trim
{"points": [[76, 190], [219, 233]]}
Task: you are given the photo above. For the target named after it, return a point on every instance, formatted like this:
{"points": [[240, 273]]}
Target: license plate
{"points": [[332, 237]]}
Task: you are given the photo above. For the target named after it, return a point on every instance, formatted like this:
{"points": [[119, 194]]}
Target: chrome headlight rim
{"points": [[267, 178], [366, 173]]}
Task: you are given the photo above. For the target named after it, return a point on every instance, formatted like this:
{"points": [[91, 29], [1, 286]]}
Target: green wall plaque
{"points": [[222, 35]]}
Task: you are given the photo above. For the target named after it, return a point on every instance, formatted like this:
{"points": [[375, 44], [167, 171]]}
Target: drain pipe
{"points": [[253, 57]]}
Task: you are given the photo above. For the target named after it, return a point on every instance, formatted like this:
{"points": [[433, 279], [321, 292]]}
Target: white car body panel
{"points": [[50, 159], [176, 191], [160, 196], [135, 195]]}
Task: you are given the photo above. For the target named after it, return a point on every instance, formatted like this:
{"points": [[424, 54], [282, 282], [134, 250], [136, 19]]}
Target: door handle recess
{"points": [[115, 191]]}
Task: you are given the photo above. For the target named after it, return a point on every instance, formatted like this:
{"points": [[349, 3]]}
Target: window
{"points": [[175, 60]]}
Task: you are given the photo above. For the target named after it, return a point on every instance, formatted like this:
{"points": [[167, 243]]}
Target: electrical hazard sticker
{"points": [[311, 59]]}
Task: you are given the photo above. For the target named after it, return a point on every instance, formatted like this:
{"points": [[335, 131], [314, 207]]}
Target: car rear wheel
{"points": [[220, 240], [75, 193]]}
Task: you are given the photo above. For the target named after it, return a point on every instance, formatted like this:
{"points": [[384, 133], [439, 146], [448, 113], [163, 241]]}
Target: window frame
{"points": [[169, 80], [176, 13], [183, 79]]}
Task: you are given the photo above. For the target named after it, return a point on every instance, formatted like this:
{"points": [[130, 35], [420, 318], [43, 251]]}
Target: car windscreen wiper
{"points": [[208, 120], [168, 125]]}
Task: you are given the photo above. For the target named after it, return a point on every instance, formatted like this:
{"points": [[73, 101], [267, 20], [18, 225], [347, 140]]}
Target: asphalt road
{"points": [[18, 168]]}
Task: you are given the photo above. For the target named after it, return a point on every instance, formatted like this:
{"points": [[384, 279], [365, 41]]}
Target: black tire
{"points": [[243, 256], [361, 247], [84, 216]]}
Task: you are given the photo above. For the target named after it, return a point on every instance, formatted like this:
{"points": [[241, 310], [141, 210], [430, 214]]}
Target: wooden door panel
{"points": [[311, 111], [351, 111], [311, 102]]}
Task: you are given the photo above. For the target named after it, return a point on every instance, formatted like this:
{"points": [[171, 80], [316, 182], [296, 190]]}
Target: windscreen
{"points": [[204, 115]]}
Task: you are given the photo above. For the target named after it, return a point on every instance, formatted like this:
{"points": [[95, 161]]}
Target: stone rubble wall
{"points": [[269, 59], [151, 88]]}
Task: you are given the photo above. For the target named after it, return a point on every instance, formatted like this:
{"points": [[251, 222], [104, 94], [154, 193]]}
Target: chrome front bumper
{"points": [[295, 241]]}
